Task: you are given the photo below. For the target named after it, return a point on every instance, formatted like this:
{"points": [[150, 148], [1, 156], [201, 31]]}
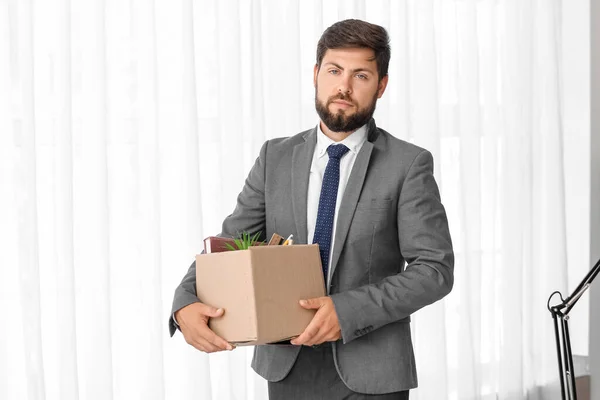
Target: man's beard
{"points": [[340, 122]]}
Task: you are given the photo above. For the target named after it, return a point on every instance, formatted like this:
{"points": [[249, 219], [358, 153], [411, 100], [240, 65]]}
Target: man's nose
{"points": [[345, 85]]}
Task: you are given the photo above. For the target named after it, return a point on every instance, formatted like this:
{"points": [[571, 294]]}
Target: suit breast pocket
{"points": [[372, 215]]}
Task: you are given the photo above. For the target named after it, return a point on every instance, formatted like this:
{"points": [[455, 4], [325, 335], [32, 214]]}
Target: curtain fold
{"points": [[127, 130]]}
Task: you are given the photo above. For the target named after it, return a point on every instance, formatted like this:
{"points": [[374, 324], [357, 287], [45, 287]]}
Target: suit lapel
{"points": [[351, 195], [301, 160]]}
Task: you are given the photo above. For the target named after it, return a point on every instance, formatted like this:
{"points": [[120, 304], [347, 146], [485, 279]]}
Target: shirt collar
{"points": [[353, 142]]}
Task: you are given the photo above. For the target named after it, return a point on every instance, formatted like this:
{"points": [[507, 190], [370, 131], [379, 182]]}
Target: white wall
{"points": [[575, 63]]}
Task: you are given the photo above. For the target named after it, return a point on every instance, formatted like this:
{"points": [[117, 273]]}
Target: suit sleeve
{"points": [[425, 244], [248, 216]]}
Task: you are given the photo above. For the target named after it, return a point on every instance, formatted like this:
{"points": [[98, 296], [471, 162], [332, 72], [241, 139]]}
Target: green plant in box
{"points": [[244, 241]]}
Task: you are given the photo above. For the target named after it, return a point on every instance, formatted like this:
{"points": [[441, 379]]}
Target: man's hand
{"points": [[324, 326], [193, 322]]}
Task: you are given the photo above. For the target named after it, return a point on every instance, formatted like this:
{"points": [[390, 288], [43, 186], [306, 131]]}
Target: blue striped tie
{"points": [[327, 200]]}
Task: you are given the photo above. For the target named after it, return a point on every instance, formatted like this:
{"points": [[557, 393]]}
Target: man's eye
{"points": [[334, 71], [361, 76]]}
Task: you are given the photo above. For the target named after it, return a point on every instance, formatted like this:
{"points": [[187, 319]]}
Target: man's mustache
{"points": [[340, 96]]}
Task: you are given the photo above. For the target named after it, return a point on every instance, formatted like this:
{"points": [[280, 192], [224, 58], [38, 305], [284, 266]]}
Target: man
{"points": [[371, 203]]}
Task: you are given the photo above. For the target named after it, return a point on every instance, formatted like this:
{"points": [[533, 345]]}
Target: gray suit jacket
{"points": [[390, 216]]}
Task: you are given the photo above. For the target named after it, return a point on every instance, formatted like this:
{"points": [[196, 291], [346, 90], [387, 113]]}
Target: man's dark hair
{"points": [[356, 33]]}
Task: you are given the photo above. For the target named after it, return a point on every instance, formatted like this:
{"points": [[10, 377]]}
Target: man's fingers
{"points": [[212, 312], [318, 337], [204, 342], [311, 330], [197, 341], [205, 346], [194, 312], [193, 322], [203, 338], [324, 336], [321, 329], [306, 336], [311, 304], [216, 340]]}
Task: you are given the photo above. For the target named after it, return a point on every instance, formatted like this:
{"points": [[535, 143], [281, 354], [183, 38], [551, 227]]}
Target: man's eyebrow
{"points": [[353, 70]]}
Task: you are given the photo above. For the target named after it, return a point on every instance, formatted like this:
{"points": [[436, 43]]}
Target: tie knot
{"points": [[337, 151]]}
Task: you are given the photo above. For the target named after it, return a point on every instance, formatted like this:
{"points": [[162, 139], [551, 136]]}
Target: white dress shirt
{"points": [[320, 159]]}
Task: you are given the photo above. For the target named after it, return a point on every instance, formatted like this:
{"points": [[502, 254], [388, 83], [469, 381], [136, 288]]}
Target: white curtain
{"points": [[127, 129]]}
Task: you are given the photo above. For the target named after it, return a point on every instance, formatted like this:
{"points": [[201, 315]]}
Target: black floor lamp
{"points": [[563, 340]]}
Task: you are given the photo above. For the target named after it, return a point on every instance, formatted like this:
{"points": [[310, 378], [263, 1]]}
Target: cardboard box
{"points": [[259, 290]]}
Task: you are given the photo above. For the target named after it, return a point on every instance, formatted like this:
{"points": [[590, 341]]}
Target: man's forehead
{"points": [[355, 55]]}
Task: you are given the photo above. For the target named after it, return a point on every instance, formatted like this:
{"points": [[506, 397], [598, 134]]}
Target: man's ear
{"points": [[382, 85], [315, 73]]}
